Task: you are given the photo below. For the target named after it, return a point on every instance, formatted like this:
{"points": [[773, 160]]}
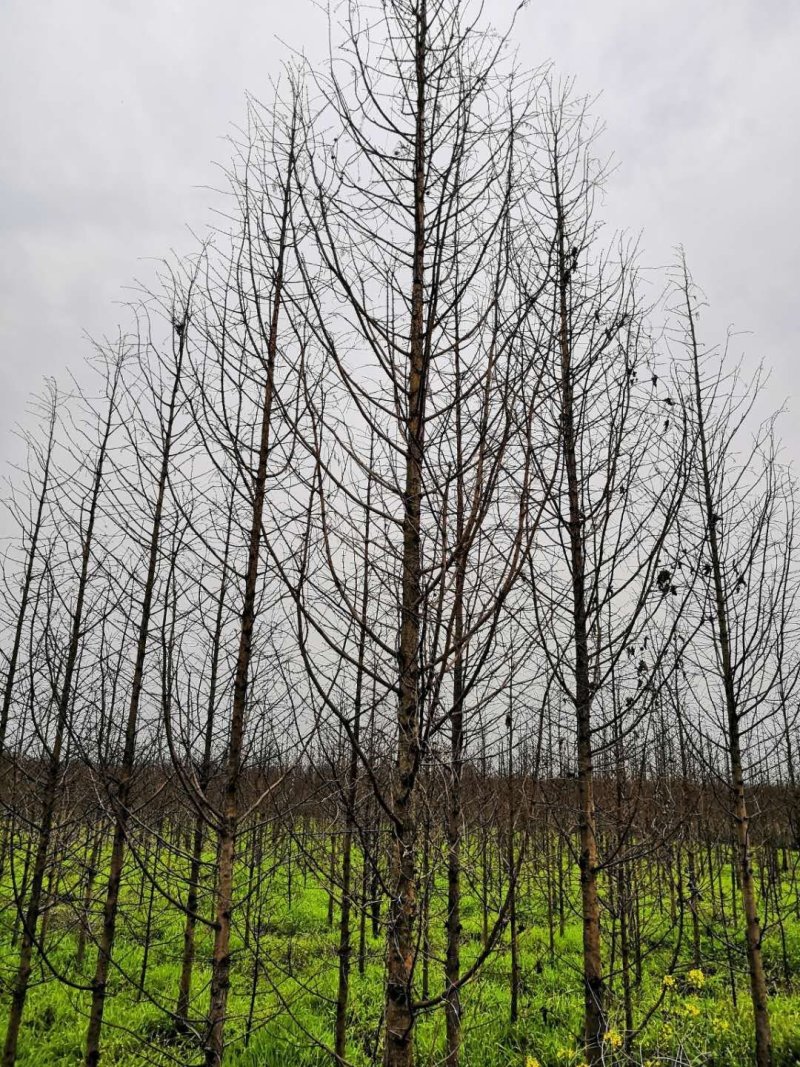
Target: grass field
{"points": [[293, 1008]]}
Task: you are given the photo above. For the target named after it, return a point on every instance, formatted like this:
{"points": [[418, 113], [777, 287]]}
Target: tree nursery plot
{"points": [[400, 633]]}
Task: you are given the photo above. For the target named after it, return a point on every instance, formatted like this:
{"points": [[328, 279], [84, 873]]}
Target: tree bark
{"points": [[593, 982], [400, 942]]}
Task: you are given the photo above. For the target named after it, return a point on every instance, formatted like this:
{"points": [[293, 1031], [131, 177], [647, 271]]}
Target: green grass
{"points": [[294, 1006]]}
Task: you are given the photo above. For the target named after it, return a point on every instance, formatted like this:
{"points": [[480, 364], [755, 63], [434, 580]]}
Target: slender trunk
{"points": [[484, 884], [452, 1004], [204, 777], [623, 873], [23, 889], [551, 898], [362, 918], [345, 948], [562, 917], [35, 898], [513, 925], [694, 892], [27, 580], [91, 874], [375, 887], [624, 948], [425, 910], [256, 967], [227, 829], [332, 858], [594, 985], [149, 923]]}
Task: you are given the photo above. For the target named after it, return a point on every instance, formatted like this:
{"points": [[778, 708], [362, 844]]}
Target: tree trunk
{"points": [[27, 580], [204, 778], [34, 906], [227, 830], [400, 941], [594, 986], [345, 934], [91, 874]]}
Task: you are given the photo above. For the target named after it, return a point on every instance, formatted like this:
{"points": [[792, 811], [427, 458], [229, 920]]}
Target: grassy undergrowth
{"points": [[693, 1019]]}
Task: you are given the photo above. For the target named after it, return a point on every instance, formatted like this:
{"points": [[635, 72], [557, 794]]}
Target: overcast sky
{"points": [[113, 114]]}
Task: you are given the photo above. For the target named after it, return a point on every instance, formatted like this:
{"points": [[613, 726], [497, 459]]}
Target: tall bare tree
{"points": [[60, 700], [621, 474], [744, 541], [163, 381]]}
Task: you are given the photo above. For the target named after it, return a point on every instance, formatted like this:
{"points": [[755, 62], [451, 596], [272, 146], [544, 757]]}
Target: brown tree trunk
{"points": [[189, 928], [345, 934], [512, 887], [594, 985], [452, 1004], [691, 864], [333, 856], [228, 822], [400, 942], [91, 874], [425, 907], [198, 834], [149, 922]]}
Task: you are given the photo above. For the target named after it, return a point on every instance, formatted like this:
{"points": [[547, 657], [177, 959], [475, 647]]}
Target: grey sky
{"points": [[112, 111]]}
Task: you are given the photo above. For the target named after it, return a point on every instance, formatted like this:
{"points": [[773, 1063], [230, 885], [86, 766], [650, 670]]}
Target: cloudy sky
{"points": [[113, 114]]}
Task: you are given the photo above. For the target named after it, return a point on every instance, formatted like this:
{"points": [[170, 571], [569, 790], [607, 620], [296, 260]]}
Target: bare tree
{"points": [[409, 320], [60, 699], [40, 455], [744, 540], [621, 473], [164, 383]]}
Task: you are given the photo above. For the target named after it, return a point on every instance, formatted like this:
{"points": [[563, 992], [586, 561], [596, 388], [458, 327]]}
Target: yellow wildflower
{"points": [[695, 978], [668, 981], [614, 1038], [532, 1062], [692, 1010]]}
